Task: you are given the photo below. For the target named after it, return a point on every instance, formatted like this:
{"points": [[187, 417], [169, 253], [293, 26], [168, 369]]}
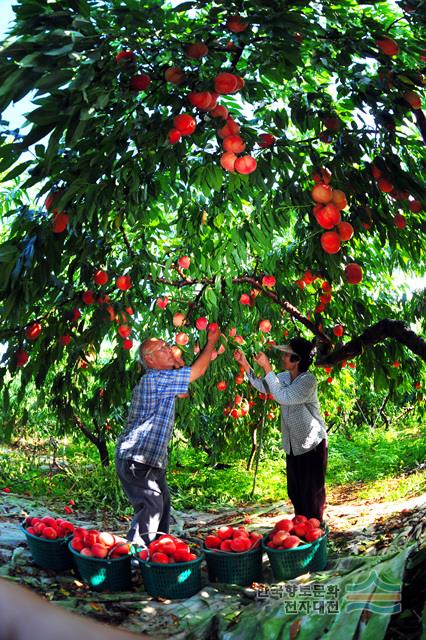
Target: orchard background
{"points": [[257, 165]]}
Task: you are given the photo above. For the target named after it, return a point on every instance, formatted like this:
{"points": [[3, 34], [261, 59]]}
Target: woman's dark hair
{"points": [[305, 351]]}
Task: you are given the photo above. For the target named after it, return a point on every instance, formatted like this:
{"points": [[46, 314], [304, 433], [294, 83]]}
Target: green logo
{"points": [[374, 594]]}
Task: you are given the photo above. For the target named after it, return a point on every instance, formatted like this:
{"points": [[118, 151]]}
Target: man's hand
{"points": [[201, 364], [213, 336], [240, 357], [263, 361]]}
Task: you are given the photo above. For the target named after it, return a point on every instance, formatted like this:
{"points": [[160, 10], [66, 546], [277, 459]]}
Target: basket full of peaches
{"points": [[171, 566], [47, 538], [103, 559], [295, 546], [234, 555]]}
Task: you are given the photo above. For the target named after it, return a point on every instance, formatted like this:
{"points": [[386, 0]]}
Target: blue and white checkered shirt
{"points": [[151, 417]]}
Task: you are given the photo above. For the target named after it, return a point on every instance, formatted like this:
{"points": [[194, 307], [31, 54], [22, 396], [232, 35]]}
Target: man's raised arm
{"points": [[201, 364]]}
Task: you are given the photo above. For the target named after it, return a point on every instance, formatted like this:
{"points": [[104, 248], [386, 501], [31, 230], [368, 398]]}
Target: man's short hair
{"points": [[141, 352]]}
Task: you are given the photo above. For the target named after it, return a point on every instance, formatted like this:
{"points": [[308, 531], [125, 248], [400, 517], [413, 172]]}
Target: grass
{"points": [[195, 485], [375, 455], [373, 465], [393, 489]]}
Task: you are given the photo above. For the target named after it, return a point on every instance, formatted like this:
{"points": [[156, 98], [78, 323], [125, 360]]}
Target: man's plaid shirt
{"points": [[151, 417]]}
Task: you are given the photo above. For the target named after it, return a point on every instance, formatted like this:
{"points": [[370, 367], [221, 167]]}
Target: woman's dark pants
{"points": [[306, 481]]}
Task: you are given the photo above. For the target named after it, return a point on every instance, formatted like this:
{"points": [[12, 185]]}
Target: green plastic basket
{"points": [[287, 564], [173, 581], [104, 574], [52, 555], [234, 568]]}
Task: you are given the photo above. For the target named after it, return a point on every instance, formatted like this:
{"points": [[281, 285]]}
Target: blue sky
{"points": [[14, 113], [6, 14]]}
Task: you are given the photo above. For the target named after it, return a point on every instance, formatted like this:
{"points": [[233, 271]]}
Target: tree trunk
{"points": [[100, 443], [197, 442], [253, 446], [103, 451], [382, 412]]}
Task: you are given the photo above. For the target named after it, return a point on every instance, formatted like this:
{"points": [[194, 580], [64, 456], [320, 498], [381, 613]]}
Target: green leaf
{"points": [[60, 51], [380, 378], [84, 78], [16, 171], [11, 81], [31, 60], [52, 147], [218, 220], [214, 176], [85, 114], [78, 132], [37, 132], [53, 79], [8, 252], [83, 8], [185, 6], [210, 297], [10, 154], [102, 100], [5, 275], [44, 115]]}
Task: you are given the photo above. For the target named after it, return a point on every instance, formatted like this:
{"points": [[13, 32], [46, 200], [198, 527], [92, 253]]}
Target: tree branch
{"points": [[421, 122], [89, 435], [295, 313], [237, 57], [378, 332], [126, 241], [403, 413], [193, 305], [253, 282], [381, 411]]}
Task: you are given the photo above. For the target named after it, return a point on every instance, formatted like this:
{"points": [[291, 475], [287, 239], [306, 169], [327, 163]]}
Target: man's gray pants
{"points": [[148, 493]]}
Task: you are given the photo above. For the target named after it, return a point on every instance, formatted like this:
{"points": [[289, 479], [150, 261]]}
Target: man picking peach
{"points": [[141, 452]]}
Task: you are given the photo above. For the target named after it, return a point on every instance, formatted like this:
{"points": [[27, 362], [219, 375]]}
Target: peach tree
{"points": [[256, 165]]}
